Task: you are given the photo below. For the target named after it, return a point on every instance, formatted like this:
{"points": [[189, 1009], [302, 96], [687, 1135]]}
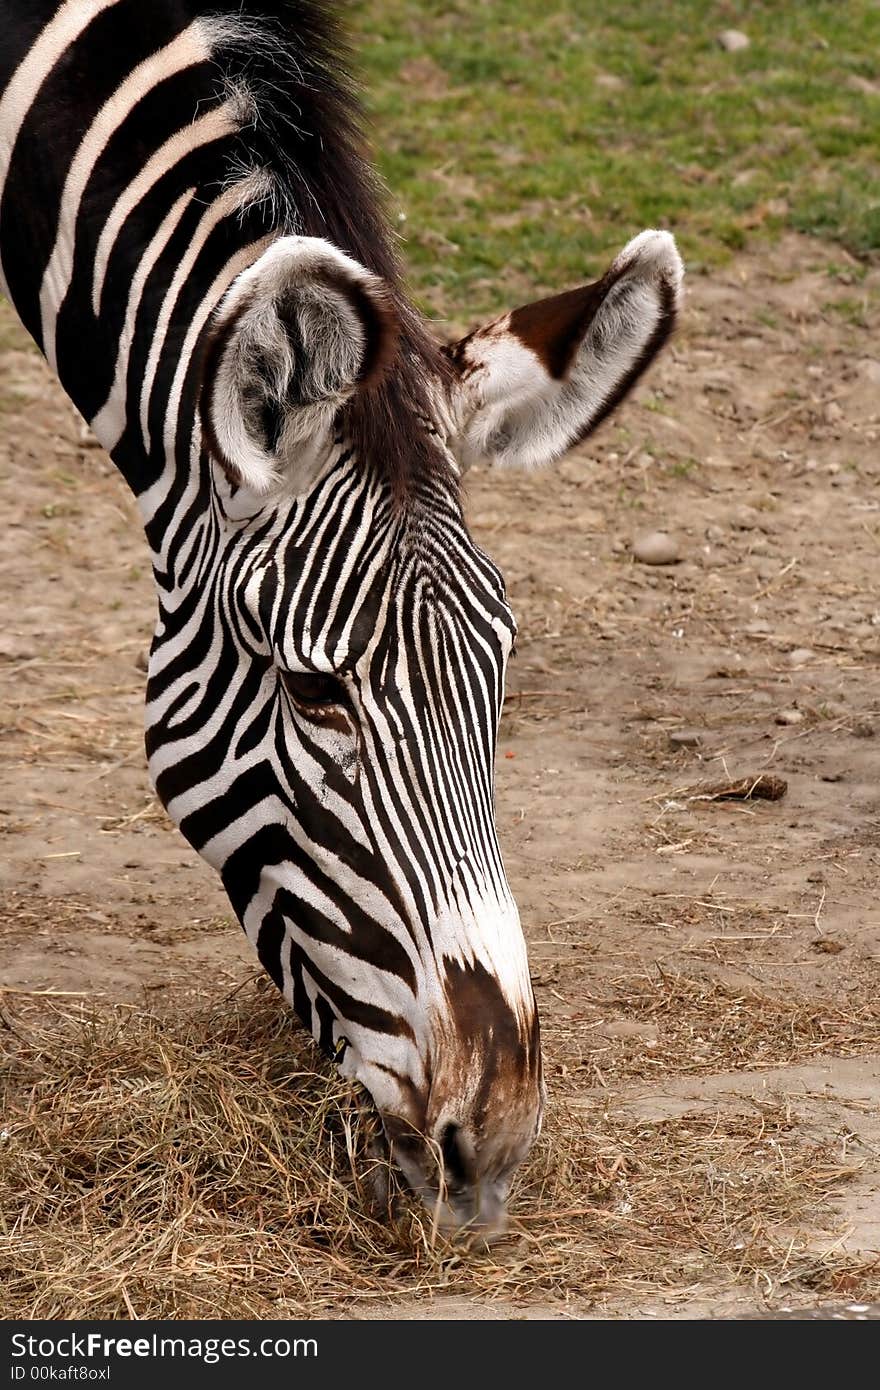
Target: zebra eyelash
{"points": [[313, 691]]}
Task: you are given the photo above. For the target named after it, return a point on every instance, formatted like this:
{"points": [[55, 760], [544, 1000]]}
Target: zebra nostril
{"points": [[458, 1157]]}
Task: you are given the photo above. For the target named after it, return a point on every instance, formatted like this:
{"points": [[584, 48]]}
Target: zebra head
{"points": [[190, 230], [323, 714]]}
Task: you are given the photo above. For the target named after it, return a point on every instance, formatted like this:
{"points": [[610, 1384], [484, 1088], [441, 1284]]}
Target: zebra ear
{"points": [[538, 380], [296, 335]]}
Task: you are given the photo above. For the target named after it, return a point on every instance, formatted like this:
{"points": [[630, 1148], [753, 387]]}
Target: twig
{"points": [[819, 911], [762, 786]]}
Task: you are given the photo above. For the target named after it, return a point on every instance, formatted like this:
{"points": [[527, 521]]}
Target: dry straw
{"points": [[203, 1163]]}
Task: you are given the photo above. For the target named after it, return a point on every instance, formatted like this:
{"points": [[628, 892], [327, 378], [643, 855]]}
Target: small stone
{"points": [[631, 1028], [655, 548], [863, 728], [869, 370], [685, 738], [733, 40], [715, 534], [14, 648], [789, 716], [142, 661], [827, 946], [610, 81], [800, 656]]}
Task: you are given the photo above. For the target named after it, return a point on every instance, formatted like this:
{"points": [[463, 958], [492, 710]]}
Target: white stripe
{"points": [[212, 126], [73, 17], [188, 48], [152, 497], [229, 202], [108, 425]]}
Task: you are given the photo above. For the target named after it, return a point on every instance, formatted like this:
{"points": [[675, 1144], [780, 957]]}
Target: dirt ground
{"points": [[691, 957]]}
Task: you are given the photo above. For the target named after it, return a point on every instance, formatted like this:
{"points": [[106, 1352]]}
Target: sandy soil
{"points": [[689, 955]]}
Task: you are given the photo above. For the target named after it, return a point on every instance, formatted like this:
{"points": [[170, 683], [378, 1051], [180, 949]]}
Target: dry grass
{"points": [[201, 1163], [701, 1025]]}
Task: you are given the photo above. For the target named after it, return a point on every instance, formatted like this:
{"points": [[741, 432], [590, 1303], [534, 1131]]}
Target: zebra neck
{"points": [[119, 227]]}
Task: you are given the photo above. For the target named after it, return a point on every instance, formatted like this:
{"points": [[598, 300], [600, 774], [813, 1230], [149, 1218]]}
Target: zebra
{"points": [[192, 232]]}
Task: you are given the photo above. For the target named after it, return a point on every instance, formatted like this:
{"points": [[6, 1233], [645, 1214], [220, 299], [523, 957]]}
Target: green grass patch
{"points": [[523, 142]]}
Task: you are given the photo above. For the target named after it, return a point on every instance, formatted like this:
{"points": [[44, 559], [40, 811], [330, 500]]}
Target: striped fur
{"points": [[327, 670]]}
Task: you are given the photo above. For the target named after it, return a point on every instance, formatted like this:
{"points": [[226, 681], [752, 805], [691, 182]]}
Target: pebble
{"points": [[789, 716], [863, 728], [655, 548], [631, 1028], [685, 738], [869, 368], [745, 519], [800, 656], [610, 81], [14, 648], [142, 661], [733, 40]]}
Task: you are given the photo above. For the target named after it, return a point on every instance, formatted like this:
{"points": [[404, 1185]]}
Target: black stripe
{"points": [[86, 75]]}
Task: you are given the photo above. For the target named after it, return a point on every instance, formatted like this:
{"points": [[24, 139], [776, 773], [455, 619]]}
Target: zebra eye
{"points": [[314, 691]]}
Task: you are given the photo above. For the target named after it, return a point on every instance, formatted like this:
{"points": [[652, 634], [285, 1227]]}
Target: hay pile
{"points": [[202, 1163]]}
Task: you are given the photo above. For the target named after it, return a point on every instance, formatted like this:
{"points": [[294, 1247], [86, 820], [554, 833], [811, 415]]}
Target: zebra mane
{"points": [[286, 70]]}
